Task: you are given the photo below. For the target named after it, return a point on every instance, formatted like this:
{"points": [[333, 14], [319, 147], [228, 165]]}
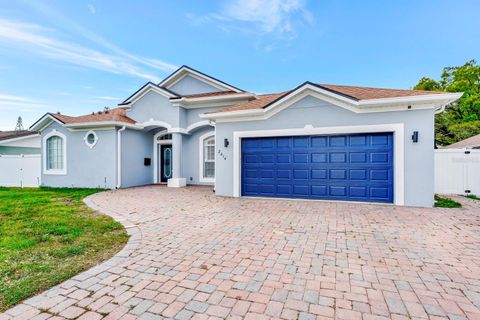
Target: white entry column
{"points": [[177, 181]]}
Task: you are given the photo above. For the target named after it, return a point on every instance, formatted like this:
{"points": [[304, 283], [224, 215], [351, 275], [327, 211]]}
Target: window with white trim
{"points": [[209, 157], [90, 139], [55, 153]]}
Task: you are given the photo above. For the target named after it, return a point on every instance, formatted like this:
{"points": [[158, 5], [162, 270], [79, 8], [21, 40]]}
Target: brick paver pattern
{"points": [[193, 255]]}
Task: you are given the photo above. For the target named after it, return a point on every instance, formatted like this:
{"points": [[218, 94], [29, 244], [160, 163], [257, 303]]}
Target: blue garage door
{"points": [[357, 167]]}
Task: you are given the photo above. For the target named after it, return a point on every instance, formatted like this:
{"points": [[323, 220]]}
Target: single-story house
{"points": [[315, 141], [19, 142], [469, 143]]}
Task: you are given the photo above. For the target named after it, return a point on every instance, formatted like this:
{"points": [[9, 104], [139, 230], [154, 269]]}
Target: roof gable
{"points": [[149, 86], [111, 116], [185, 71]]}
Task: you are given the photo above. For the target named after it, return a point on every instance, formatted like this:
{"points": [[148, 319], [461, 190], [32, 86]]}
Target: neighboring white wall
{"points": [[29, 142], [20, 171], [457, 171]]}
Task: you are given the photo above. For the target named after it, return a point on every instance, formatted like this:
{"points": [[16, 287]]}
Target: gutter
{"points": [[102, 123], [119, 156]]}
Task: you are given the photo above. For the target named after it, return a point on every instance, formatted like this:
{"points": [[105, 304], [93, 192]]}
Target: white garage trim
{"points": [[398, 151]]}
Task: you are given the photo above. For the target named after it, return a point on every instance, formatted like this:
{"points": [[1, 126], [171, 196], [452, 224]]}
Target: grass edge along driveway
{"points": [[48, 235]]}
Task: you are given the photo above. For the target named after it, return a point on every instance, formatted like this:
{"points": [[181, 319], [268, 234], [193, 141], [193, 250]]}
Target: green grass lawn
{"points": [[446, 203], [47, 236]]}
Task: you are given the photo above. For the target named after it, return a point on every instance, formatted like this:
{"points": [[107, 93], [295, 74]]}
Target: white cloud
{"points": [[39, 40], [19, 103], [277, 17], [91, 8], [64, 22], [109, 98]]}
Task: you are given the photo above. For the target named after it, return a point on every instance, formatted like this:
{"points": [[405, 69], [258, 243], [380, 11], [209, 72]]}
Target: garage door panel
{"points": [[319, 157], [319, 190], [338, 141], [319, 174], [300, 158], [358, 192], [338, 191], [358, 174], [356, 141], [284, 158], [342, 167], [358, 157], [338, 157], [302, 190], [340, 174], [319, 142], [300, 174], [301, 142]]}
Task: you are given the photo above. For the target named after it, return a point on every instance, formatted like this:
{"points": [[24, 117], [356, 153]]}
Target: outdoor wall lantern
{"points": [[415, 136], [226, 143]]}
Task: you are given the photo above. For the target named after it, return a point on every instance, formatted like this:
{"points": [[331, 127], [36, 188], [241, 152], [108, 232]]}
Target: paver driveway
{"points": [[194, 255]]}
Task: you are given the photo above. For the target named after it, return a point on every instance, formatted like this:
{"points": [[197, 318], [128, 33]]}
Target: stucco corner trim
{"points": [[399, 146]]}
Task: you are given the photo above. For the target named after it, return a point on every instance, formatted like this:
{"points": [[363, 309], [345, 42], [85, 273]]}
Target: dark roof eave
{"points": [[41, 118], [141, 88]]}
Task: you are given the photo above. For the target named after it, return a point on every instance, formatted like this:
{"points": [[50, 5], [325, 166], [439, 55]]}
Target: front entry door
{"points": [[165, 162]]}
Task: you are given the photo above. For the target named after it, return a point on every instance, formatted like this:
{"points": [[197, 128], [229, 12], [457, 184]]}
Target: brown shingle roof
{"points": [[117, 114], [258, 103], [352, 92], [5, 135], [472, 142], [367, 93]]}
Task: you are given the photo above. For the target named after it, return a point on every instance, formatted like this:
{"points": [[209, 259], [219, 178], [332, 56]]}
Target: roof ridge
{"points": [[376, 88]]}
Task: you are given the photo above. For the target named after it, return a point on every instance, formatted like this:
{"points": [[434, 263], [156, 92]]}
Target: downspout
{"points": [[119, 156]]}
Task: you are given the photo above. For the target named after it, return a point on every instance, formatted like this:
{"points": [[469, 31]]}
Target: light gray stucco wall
{"points": [[136, 146], [419, 175], [189, 85], [190, 155], [154, 106], [86, 168], [193, 115]]}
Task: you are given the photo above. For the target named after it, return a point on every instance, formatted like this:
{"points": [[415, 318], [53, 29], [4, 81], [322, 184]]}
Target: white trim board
{"points": [[398, 152], [204, 136]]}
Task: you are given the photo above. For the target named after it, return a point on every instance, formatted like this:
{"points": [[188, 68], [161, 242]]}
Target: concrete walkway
{"points": [[193, 255]]}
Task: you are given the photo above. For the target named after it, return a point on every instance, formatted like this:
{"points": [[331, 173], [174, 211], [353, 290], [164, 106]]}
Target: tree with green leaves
{"points": [[461, 119]]}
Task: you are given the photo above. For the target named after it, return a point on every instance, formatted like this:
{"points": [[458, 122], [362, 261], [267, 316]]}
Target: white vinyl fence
{"points": [[457, 171], [20, 170]]}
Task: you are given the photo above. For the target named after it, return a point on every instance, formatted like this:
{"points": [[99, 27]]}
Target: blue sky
{"points": [[80, 56]]}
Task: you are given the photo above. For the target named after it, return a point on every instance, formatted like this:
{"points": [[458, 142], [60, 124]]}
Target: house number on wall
{"points": [[222, 155]]}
